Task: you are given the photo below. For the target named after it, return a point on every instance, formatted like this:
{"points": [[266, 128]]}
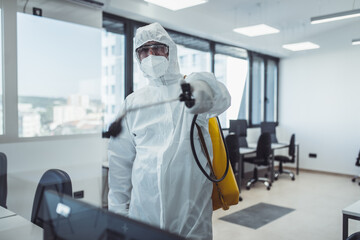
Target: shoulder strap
{"points": [[205, 150]]}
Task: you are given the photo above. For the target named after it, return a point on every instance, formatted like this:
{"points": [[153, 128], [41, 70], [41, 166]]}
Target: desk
{"points": [[350, 212], [16, 227], [6, 213]]}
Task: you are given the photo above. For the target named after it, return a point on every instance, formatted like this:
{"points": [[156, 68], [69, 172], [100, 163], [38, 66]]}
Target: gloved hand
{"points": [[203, 97]]}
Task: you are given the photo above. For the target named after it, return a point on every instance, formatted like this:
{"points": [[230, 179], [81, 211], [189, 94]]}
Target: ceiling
{"points": [[215, 20]]}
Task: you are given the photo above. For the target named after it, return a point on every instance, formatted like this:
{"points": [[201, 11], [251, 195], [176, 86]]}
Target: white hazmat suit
{"points": [[152, 173]]}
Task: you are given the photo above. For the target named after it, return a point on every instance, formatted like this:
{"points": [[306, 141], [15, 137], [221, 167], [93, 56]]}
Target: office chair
{"points": [[3, 180], [269, 127], [53, 179], [286, 159], [232, 144], [239, 127], [262, 158], [357, 163], [354, 236]]}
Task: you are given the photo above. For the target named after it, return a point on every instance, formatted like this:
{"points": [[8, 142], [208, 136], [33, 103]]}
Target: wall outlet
{"points": [[312, 155], [79, 194]]}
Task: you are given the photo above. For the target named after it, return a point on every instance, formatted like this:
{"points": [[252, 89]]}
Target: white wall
{"points": [[80, 158], [319, 101]]}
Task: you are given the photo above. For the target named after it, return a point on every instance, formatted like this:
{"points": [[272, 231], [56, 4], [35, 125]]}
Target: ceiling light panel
{"points": [[301, 46], [175, 5], [336, 16], [256, 30]]}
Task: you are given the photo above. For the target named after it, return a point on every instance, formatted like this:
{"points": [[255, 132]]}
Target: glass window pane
{"points": [[233, 73], [59, 77], [271, 91], [112, 85], [191, 60], [244, 106], [257, 90]]}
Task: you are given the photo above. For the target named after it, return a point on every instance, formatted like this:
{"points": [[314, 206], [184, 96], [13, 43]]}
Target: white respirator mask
{"points": [[154, 66]]}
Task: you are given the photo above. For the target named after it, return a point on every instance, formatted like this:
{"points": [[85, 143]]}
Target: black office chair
{"points": [[357, 163], [234, 154], [262, 158], [286, 159], [354, 236], [53, 179], [3, 180], [239, 127], [269, 127]]}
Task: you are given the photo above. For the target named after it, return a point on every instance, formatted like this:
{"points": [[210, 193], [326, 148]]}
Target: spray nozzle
{"points": [[186, 96]]}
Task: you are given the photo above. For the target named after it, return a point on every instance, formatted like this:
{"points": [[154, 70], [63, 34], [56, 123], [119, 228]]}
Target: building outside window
{"points": [[114, 82]]}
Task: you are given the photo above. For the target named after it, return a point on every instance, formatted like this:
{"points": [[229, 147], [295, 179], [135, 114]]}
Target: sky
{"points": [[57, 59]]}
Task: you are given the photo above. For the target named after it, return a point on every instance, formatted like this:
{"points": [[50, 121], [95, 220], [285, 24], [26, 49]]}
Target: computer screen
{"points": [[69, 218]]}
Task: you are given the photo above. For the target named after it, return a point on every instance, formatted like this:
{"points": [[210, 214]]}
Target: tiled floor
{"points": [[318, 200]]}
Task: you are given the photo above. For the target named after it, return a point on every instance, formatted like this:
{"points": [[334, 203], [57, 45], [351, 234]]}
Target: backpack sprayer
{"points": [[186, 97]]}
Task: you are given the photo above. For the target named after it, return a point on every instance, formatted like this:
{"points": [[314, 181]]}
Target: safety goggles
{"points": [[157, 49]]}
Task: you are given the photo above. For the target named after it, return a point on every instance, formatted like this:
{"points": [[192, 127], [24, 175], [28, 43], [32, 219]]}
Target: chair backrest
{"points": [[233, 149], [269, 127], [263, 148], [357, 163], [239, 127], [53, 179], [292, 146], [3, 179], [354, 236]]}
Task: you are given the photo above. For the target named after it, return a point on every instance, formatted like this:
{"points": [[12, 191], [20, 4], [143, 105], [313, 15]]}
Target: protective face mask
{"points": [[154, 66]]}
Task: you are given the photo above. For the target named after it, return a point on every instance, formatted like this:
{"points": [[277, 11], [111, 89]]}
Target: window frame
{"points": [[266, 59]]}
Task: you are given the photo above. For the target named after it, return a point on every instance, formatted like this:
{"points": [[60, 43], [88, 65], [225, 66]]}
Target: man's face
{"points": [[152, 48]]}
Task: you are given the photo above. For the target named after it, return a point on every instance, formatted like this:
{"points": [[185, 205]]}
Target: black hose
{"points": [[196, 158]]}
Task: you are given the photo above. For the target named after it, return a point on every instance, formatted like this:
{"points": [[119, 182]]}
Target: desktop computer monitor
{"points": [[68, 218]]}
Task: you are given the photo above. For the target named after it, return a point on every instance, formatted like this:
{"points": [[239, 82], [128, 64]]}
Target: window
{"points": [[113, 38], [193, 60], [193, 53], [251, 78], [231, 68], [59, 74], [271, 91], [263, 89]]}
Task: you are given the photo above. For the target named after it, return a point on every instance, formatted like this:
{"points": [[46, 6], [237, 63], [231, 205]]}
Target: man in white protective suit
{"points": [[153, 176]]}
